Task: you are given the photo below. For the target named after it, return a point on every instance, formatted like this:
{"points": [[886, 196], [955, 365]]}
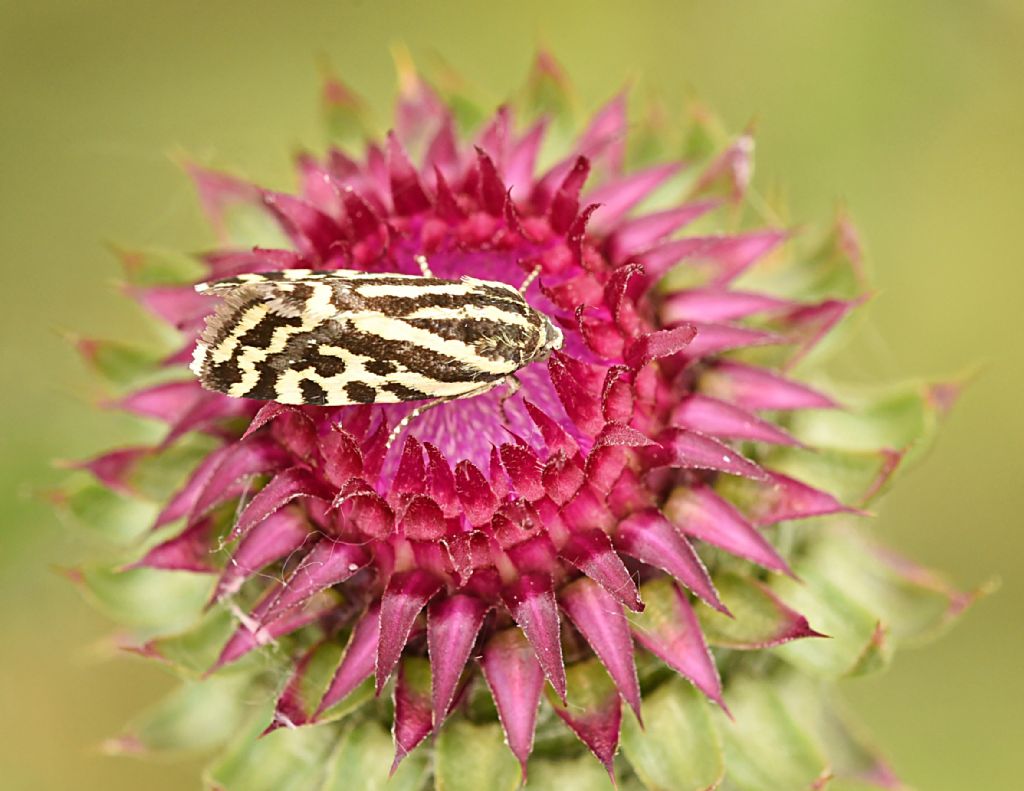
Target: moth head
{"points": [[551, 339]]}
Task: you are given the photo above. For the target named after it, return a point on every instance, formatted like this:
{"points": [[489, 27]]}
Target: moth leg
{"points": [[421, 408], [529, 279], [421, 262], [411, 416], [513, 387]]}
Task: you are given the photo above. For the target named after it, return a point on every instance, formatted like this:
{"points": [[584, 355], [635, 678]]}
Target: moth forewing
{"points": [[345, 337]]}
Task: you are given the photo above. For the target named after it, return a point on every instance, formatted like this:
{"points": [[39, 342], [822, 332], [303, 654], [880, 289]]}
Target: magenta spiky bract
{"points": [[498, 547], [500, 519]]}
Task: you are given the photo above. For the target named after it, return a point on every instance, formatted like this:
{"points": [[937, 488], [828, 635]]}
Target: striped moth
{"points": [[333, 338]]}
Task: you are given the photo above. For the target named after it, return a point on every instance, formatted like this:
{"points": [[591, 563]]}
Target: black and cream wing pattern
{"points": [[334, 338]]}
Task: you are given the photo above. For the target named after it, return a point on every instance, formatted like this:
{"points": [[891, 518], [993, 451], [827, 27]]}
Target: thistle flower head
{"points": [[622, 509]]}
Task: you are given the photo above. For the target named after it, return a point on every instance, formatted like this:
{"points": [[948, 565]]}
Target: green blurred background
{"points": [[911, 112]]}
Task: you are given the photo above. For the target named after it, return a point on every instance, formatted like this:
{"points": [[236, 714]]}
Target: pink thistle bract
{"points": [[550, 539]]}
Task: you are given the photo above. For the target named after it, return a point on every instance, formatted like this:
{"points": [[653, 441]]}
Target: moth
{"points": [[333, 338]]}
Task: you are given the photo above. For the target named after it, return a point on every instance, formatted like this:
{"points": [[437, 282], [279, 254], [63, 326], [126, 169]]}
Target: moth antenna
{"points": [[421, 262], [529, 279], [409, 418]]}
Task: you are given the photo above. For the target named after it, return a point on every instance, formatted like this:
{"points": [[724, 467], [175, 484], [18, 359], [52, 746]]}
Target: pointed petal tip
{"points": [[146, 650], [649, 537], [719, 605], [408, 75], [452, 628], [691, 449], [127, 744], [635, 707], [516, 681], [406, 595], [599, 618], [335, 90], [609, 767], [279, 721], [559, 690], [942, 396], [73, 574]]}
